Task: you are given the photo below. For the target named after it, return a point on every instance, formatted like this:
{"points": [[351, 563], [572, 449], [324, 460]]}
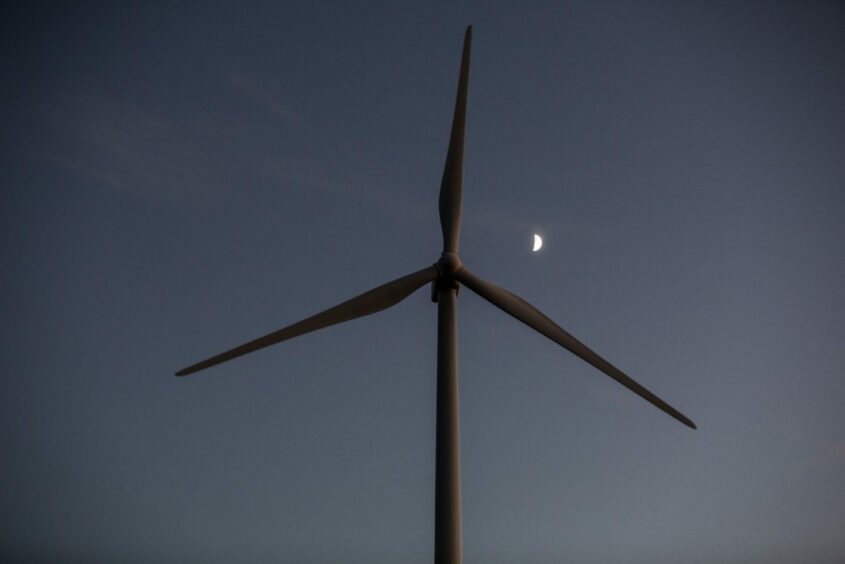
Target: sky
{"points": [[178, 178]]}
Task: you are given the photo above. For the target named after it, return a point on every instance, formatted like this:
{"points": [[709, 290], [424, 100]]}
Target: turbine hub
{"points": [[449, 264]]}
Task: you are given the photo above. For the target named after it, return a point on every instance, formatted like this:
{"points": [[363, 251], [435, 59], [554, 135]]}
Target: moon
{"points": [[538, 242]]}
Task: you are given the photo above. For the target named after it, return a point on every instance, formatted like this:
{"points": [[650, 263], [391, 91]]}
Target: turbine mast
{"points": [[447, 486]]}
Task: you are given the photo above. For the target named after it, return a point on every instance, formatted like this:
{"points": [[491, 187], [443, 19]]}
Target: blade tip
{"points": [[687, 421]]}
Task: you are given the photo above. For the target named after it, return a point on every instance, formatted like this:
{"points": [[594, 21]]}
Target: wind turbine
{"points": [[445, 276]]}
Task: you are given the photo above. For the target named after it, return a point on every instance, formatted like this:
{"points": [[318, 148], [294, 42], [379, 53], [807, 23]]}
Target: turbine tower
{"points": [[445, 276]]}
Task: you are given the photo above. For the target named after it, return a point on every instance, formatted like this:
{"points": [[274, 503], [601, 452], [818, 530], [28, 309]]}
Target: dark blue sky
{"points": [[177, 179]]}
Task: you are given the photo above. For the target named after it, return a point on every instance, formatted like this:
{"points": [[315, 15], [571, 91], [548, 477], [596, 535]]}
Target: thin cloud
{"points": [[131, 149], [836, 450], [264, 97], [827, 454], [138, 149]]}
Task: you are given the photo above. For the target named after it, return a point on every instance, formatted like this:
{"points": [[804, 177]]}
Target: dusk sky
{"points": [[178, 178]]}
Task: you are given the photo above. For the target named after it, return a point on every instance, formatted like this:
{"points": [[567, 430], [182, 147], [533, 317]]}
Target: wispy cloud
{"points": [[153, 152], [827, 454], [265, 96], [130, 148], [144, 150], [836, 450]]}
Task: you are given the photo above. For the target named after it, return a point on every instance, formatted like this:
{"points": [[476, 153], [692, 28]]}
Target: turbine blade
{"points": [[373, 301], [451, 186], [534, 318]]}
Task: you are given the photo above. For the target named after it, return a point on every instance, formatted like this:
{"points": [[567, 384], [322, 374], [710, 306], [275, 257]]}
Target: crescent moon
{"points": [[538, 242]]}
